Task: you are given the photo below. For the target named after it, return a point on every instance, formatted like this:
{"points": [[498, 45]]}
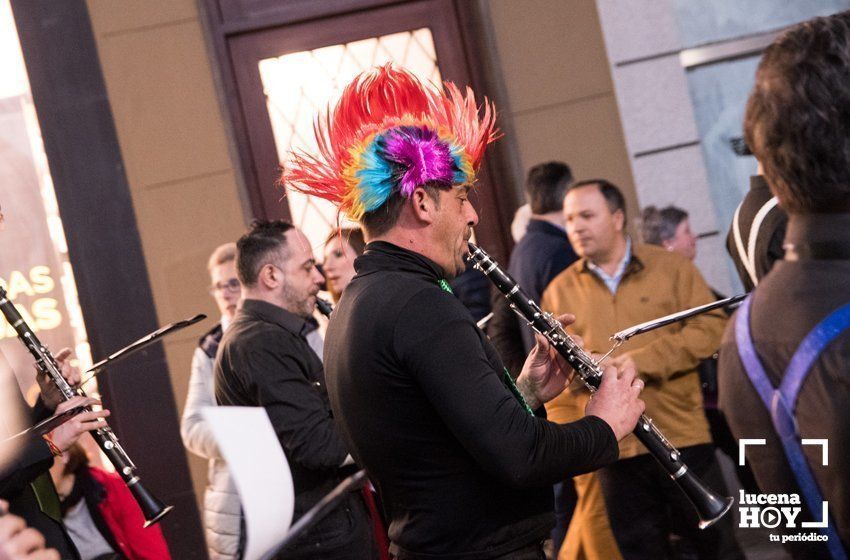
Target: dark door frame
{"points": [[236, 29], [105, 250]]}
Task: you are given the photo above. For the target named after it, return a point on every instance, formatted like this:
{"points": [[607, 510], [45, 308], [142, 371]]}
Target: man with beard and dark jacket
{"points": [[264, 359]]}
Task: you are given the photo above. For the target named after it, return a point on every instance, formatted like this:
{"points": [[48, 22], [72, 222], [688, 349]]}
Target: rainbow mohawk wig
{"points": [[390, 133]]}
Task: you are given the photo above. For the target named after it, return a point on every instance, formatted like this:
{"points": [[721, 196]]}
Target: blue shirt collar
{"points": [[613, 281]]}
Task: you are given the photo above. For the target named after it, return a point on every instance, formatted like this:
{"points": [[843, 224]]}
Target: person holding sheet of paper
{"points": [[264, 360]]}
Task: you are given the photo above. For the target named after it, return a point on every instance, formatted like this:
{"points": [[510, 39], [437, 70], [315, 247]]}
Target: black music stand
{"points": [[318, 511]]}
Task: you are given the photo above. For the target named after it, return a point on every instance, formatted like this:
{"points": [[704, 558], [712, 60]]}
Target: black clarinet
{"points": [[324, 306], [710, 505], [152, 508]]}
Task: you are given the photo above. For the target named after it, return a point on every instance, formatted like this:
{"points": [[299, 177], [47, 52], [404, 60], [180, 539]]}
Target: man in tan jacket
{"points": [[614, 285]]}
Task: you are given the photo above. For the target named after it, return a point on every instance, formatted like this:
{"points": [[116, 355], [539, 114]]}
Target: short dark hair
{"points": [[352, 236], [546, 185], [255, 247], [797, 121], [657, 226], [382, 219], [612, 194]]}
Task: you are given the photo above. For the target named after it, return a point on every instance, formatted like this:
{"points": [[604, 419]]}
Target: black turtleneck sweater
{"points": [[464, 471]]}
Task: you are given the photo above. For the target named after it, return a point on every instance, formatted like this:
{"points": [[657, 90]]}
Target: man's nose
{"points": [[472, 216]]}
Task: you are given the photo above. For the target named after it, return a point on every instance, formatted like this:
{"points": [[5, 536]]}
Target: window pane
{"points": [[300, 85], [706, 22]]}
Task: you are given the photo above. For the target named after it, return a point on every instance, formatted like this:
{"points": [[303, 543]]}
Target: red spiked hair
{"points": [[351, 171]]}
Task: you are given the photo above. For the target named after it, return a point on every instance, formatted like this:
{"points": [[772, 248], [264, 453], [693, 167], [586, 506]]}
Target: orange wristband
{"points": [[53, 449]]}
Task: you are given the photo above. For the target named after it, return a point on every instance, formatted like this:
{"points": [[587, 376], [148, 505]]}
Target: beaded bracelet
{"points": [[53, 449]]}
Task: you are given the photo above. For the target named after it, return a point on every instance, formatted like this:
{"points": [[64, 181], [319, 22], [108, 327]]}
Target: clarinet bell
{"points": [[710, 505], [719, 506], [152, 508]]}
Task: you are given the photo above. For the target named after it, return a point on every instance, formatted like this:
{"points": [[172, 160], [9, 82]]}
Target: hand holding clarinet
{"points": [[61, 377], [70, 432], [616, 402], [546, 374], [710, 506]]}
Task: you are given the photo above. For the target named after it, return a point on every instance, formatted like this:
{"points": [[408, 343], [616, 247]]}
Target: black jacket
{"points": [[264, 360], [464, 471]]}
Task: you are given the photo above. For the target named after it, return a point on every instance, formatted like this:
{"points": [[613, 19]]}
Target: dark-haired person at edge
{"points": [[670, 228], [617, 284], [461, 461], [542, 253], [25, 481], [265, 360], [103, 519], [772, 383]]}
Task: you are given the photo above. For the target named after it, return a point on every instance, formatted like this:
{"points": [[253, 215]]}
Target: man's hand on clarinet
{"points": [[68, 433], [616, 402], [50, 394], [545, 373]]}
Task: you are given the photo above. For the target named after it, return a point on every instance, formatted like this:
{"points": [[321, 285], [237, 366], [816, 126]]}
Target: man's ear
{"points": [[619, 219], [270, 276], [422, 205]]}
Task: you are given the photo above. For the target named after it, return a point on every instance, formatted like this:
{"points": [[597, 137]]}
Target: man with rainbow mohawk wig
{"points": [[462, 457]]}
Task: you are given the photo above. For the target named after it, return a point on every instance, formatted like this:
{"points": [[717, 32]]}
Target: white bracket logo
{"points": [[824, 443]]}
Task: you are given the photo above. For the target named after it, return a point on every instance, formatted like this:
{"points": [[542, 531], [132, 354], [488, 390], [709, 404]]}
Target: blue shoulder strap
{"points": [[782, 402]]}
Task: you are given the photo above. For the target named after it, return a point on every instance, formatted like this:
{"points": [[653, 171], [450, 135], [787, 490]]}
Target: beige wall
{"points": [[170, 129], [560, 94], [660, 129]]}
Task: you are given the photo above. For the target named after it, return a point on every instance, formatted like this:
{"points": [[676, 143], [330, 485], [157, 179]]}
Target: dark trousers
{"points": [[565, 504], [343, 534], [648, 511], [726, 442]]}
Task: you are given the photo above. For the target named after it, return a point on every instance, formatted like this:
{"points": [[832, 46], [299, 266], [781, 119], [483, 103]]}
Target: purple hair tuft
{"points": [[422, 154]]}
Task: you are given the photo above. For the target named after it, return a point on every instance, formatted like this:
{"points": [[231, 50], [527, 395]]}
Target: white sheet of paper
{"points": [[260, 471]]}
